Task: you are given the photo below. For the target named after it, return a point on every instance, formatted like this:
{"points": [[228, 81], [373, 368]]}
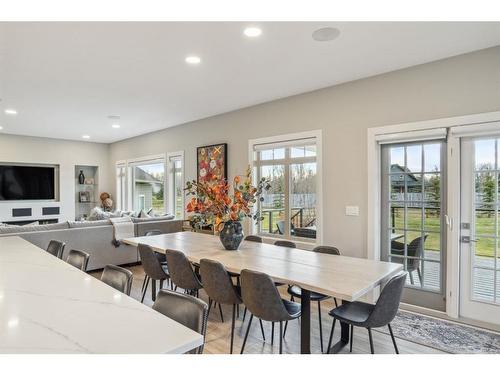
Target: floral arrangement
{"points": [[213, 203]]}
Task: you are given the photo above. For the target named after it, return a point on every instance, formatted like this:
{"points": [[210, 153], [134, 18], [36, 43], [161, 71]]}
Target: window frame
{"points": [[287, 140], [171, 157]]}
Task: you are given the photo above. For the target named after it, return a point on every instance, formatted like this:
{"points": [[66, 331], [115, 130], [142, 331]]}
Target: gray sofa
{"points": [[94, 237]]}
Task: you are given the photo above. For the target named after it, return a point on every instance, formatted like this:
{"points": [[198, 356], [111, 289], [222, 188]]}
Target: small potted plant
{"points": [[213, 203]]}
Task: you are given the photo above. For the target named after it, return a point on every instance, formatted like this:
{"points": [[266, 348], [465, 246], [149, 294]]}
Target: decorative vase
{"points": [[231, 235], [81, 178]]}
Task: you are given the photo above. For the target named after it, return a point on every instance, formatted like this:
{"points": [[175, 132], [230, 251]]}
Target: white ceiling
{"points": [[64, 79]]}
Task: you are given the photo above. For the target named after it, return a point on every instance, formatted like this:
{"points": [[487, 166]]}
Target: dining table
{"points": [[343, 277], [49, 306]]}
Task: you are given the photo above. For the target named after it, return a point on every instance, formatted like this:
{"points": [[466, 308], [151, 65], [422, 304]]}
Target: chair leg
{"points": [[281, 337], [336, 303], [145, 290], [320, 326], [419, 276], [411, 278], [352, 338], [153, 290], [161, 284], [393, 339], [209, 306], [232, 328], [221, 315], [331, 336], [292, 299], [144, 282], [244, 313], [262, 330], [246, 334], [272, 333], [371, 340], [284, 331]]}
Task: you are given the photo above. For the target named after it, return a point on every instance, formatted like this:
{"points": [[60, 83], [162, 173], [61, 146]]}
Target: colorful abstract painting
{"points": [[212, 163]]}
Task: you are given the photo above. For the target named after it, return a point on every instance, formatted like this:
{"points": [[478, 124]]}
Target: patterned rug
{"points": [[444, 335]]}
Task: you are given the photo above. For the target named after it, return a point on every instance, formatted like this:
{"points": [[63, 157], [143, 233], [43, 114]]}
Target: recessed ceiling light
{"points": [[326, 34], [85, 136], [10, 111], [252, 32], [193, 60], [116, 126]]}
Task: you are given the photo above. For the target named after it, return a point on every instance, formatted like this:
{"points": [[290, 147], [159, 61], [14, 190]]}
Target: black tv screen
{"points": [[26, 183]]}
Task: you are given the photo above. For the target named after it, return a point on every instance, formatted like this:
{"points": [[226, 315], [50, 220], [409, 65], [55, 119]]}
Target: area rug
{"points": [[444, 335]]}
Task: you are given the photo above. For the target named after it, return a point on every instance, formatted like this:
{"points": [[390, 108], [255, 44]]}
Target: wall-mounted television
{"points": [[27, 182]]}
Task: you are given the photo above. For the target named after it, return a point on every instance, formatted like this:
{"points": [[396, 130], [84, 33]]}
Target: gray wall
{"points": [[456, 86]]}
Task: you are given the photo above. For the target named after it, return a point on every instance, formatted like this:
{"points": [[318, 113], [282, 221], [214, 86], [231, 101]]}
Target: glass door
{"points": [[412, 222], [480, 229]]}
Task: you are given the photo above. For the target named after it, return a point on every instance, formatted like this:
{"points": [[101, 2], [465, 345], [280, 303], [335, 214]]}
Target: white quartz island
{"points": [[48, 306]]}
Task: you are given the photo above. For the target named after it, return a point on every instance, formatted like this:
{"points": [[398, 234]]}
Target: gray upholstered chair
{"points": [[295, 291], [56, 248], [219, 288], [187, 310], [182, 273], [263, 300], [160, 256], [78, 259], [370, 316], [117, 277], [153, 269], [253, 238], [285, 243], [414, 252]]}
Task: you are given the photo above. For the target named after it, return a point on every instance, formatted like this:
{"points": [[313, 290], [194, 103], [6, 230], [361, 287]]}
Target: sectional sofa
{"points": [[94, 237]]}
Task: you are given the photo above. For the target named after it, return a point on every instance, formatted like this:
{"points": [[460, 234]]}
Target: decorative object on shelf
{"points": [[212, 204], [211, 162], [84, 196], [81, 178], [106, 201], [89, 181]]}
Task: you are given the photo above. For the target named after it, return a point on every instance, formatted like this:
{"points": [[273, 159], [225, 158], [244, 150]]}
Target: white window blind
{"points": [[413, 136]]}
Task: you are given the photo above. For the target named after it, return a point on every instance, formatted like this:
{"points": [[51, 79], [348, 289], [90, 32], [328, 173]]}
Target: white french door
{"points": [[480, 229]]}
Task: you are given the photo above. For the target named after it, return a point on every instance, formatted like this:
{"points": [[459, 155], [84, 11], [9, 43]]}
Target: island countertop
{"points": [[48, 306]]}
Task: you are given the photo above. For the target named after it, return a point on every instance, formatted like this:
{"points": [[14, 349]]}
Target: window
{"points": [[289, 207], [148, 183], [176, 184], [121, 186]]}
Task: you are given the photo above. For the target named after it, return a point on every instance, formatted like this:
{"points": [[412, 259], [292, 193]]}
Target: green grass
{"points": [[484, 226]]}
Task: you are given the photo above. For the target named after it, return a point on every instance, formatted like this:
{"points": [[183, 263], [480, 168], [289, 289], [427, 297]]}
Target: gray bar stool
{"points": [[56, 248], [189, 311], [78, 259], [117, 277]]}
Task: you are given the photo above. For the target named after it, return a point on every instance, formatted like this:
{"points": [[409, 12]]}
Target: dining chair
{"points": [[264, 301], [253, 238], [117, 277], [285, 243], [182, 274], [152, 268], [295, 291], [370, 316], [56, 248], [187, 310], [78, 259], [160, 256], [220, 289], [414, 253]]}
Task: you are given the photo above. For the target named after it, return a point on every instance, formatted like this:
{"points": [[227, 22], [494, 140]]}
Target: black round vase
{"points": [[231, 235]]}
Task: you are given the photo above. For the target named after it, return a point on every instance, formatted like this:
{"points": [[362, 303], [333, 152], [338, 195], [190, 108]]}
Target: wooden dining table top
{"points": [[343, 277]]}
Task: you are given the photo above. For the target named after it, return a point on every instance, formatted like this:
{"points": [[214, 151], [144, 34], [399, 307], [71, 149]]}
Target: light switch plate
{"points": [[352, 210]]}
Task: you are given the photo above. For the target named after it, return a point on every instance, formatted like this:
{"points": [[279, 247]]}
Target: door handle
{"points": [[449, 222], [467, 239]]}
